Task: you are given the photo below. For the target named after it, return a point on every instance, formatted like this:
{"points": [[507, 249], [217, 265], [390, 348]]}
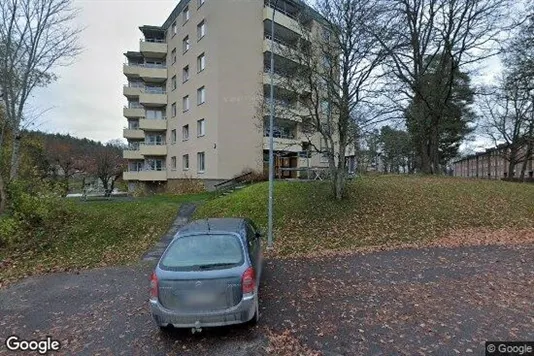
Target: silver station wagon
{"points": [[208, 276]]}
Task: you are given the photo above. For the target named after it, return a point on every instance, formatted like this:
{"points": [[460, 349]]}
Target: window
{"points": [[174, 28], [155, 165], [173, 56], [185, 162], [154, 114], [201, 96], [173, 82], [185, 44], [201, 128], [218, 251], [201, 30], [185, 132], [173, 163], [173, 109], [154, 139], [201, 162], [185, 74], [185, 103], [327, 62], [201, 63], [185, 14], [173, 137], [325, 107], [201, 2]]}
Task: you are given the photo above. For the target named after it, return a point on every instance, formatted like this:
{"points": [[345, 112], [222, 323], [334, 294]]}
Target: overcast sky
{"points": [[87, 99]]}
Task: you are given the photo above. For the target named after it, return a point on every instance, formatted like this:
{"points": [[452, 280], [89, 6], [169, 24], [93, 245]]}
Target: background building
{"points": [[195, 91], [492, 164]]}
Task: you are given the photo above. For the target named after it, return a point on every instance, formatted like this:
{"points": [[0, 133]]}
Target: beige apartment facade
{"points": [[195, 91]]}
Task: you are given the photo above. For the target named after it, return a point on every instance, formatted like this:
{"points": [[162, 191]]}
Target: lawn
{"points": [[101, 233], [385, 212]]}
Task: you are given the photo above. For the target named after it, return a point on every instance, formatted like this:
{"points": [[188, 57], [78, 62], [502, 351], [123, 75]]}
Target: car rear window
{"points": [[199, 252]]}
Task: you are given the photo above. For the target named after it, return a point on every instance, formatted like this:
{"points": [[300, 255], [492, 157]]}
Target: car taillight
{"points": [[153, 286], [248, 281]]}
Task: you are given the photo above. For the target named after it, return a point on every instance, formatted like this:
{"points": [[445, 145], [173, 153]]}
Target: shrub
{"points": [[35, 207], [9, 230]]}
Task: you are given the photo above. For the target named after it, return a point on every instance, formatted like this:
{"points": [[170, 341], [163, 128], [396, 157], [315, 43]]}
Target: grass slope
{"points": [[101, 233], [379, 211]]}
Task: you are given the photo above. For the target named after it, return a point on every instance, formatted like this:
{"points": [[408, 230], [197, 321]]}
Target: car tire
{"points": [[165, 329]]}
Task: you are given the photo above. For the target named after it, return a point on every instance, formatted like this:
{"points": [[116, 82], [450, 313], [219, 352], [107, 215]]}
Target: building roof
{"points": [[478, 154], [183, 3]]}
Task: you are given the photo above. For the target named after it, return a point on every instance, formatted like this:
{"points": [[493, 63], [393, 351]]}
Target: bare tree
{"points": [[447, 36], [508, 119], [519, 61], [330, 78], [109, 165], [35, 37]]}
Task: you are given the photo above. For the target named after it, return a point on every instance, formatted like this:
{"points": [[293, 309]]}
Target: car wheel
{"points": [[165, 329]]}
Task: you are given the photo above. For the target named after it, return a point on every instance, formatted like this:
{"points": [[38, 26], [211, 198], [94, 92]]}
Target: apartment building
{"points": [[492, 164], [195, 88]]}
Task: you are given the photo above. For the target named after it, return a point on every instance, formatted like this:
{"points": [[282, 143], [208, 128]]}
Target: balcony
{"points": [[153, 48], [132, 91], [153, 150], [283, 18], [151, 97], [281, 48], [133, 112], [132, 154], [285, 110], [133, 133], [283, 144], [145, 175], [152, 176], [153, 125], [290, 83], [146, 71]]}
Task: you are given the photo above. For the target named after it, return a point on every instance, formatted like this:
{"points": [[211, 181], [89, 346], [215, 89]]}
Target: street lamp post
{"points": [[271, 139]]}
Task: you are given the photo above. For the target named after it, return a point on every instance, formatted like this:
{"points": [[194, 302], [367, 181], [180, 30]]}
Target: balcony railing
{"points": [[132, 148], [280, 41], [282, 103], [281, 10], [147, 65], [154, 90], [156, 118], [134, 85], [148, 143], [155, 40], [147, 169], [280, 134], [133, 106]]}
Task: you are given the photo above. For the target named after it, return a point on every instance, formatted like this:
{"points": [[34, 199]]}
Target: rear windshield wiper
{"points": [[215, 265]]}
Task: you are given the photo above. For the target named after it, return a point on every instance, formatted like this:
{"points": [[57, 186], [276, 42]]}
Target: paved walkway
{"points": [[184, 214], [431, 301]]}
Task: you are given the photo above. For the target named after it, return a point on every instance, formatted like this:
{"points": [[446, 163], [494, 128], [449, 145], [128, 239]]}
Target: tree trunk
{"points": [[14, 172], [511, 167], [339, 183], [3, 195], [104, 182], [526, 160], [426, 164]]}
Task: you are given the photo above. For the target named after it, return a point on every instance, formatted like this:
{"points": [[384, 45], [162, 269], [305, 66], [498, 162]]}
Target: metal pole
{"points": [[271, 140]]}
